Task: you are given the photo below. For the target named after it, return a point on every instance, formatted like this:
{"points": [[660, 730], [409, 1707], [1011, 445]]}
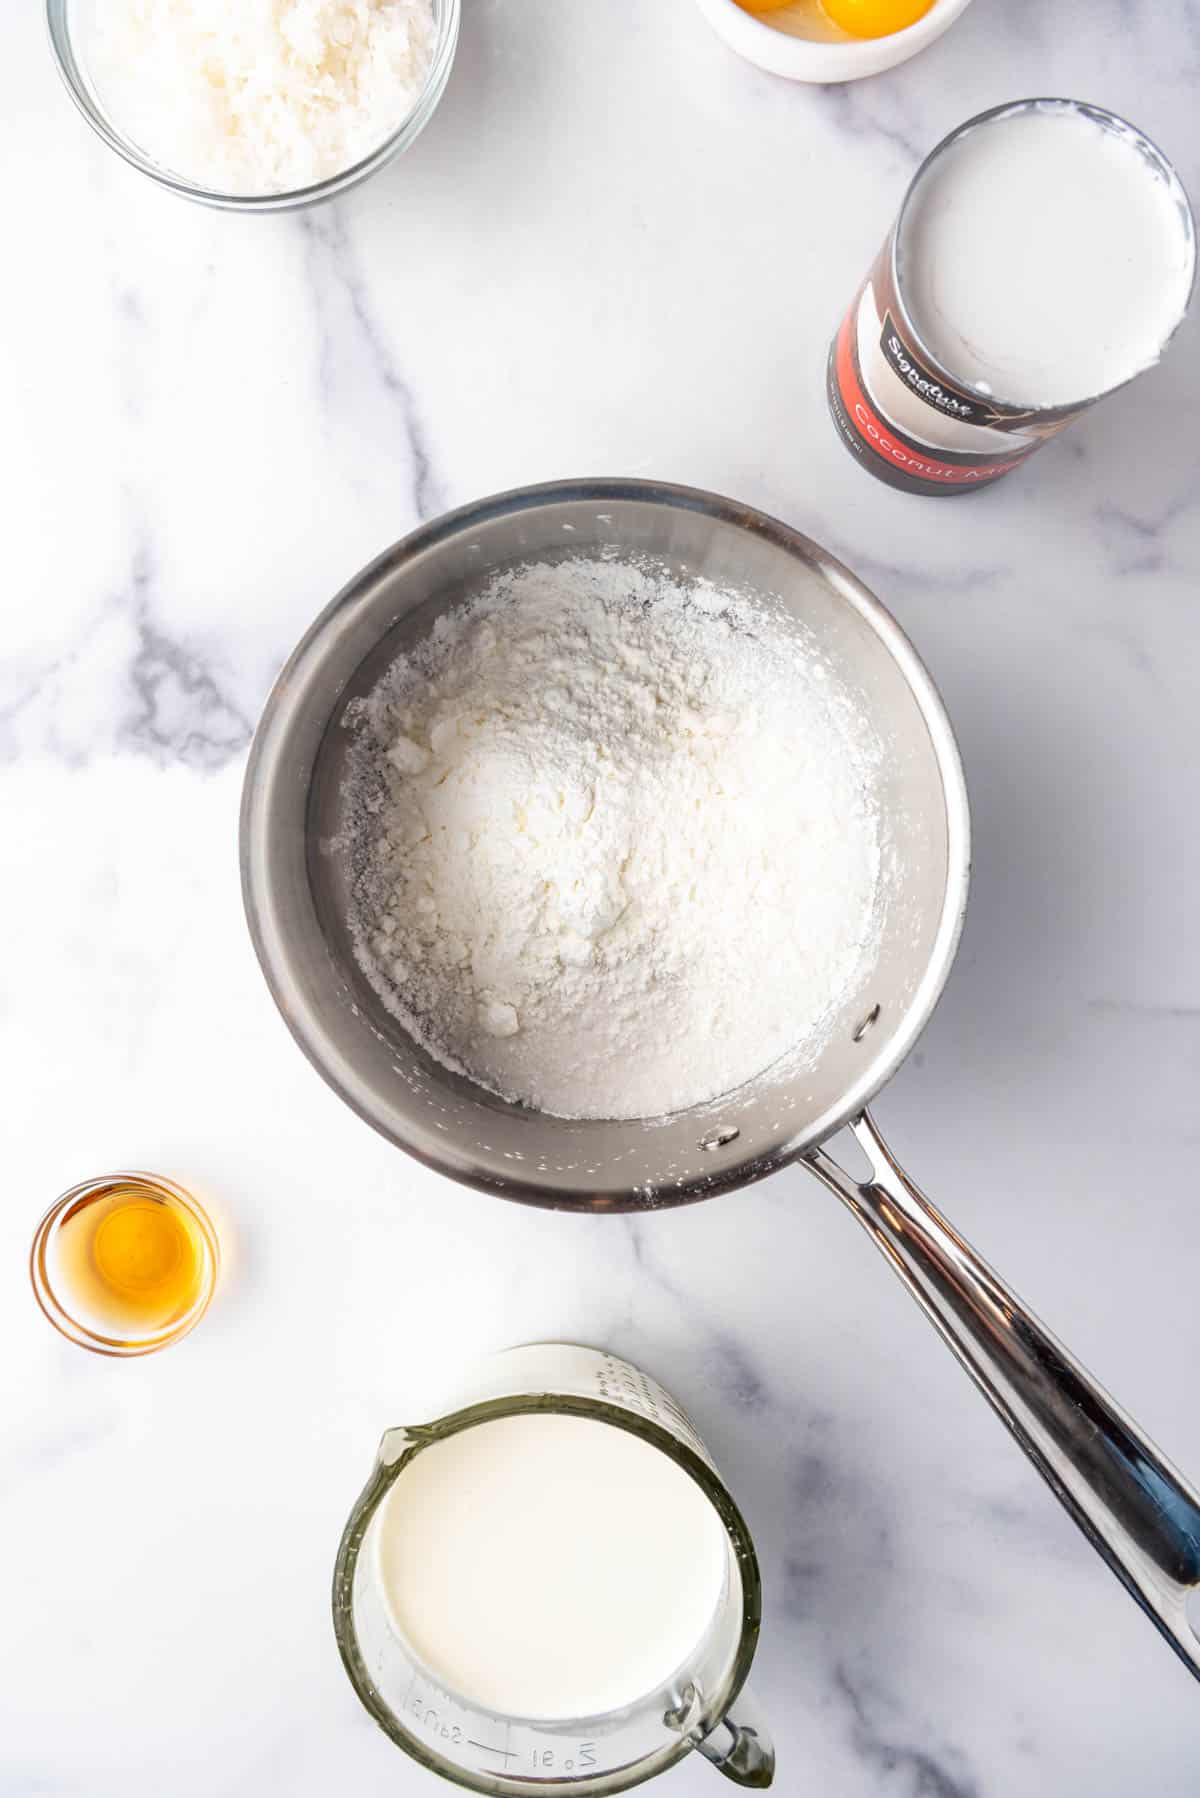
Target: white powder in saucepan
{"points": [[612, 842], [260, 96]]}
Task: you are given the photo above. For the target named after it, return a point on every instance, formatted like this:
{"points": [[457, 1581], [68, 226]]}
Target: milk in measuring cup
{"points": [[550, 1566]]}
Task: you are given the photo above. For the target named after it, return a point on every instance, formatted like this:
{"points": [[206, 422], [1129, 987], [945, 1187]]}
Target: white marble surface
{"points": [[616, 250]]}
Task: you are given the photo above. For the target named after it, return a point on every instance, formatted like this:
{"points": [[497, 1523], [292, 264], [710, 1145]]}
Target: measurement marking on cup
{"points": [[550, 1758], [506, 1754]]}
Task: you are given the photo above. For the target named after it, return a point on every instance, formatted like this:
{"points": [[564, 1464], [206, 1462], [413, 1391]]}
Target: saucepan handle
{"points": [[1131, 1504]]}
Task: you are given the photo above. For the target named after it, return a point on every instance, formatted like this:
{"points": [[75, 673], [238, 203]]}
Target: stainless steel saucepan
{"points": [[1141, 1515]]}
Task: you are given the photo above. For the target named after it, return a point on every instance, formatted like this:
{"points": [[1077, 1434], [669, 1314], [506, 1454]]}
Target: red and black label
{"points": [[908, 423], [889, 452], [936, 393]]}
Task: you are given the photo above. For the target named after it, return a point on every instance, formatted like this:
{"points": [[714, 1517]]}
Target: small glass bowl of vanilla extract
{"points": [[125, 1264]]}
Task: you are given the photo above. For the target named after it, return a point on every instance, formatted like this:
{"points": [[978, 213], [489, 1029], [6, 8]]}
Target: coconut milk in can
{"points": [[1044, 254]]}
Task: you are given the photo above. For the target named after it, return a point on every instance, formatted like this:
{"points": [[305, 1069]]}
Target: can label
{"points": [[905, 422]]}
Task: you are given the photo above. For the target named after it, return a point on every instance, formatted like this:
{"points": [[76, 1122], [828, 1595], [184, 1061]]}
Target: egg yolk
{"points": [[875, 18]]}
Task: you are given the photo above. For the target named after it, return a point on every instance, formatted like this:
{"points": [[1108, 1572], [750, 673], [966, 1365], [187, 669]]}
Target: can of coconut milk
{"points": [[1044, 254]]}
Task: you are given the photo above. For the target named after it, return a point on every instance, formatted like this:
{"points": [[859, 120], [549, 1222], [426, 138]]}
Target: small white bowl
{"points": [[815, 59]]}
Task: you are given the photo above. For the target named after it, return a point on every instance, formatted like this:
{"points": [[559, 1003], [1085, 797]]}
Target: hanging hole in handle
{"points": [[871, 1018], [717, 1139]]}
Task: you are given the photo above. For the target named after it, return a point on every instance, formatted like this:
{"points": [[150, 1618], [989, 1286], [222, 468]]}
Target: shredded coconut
{"points": [[612, 841], [260, 96]]}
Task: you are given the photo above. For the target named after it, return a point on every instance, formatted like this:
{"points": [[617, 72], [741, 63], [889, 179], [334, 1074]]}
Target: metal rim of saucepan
{"points": [[303, 665]]}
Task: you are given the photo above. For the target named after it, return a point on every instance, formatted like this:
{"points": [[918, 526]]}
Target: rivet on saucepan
{"points": [[862, 1029], [716, 1139]]}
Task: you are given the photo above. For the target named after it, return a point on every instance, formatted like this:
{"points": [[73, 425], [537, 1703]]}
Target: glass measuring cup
{"points": [[702, 1705]]}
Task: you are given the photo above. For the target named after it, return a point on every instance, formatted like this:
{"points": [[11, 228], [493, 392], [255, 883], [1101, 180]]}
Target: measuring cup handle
{"points": [[740, 1746], [1131, 1504]]}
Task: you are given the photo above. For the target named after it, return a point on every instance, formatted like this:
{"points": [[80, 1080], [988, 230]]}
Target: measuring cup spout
{"points": [[740, 1746], [392, 1445]]}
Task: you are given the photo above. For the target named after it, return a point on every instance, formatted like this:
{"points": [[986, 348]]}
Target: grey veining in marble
{"points": [[619, 250]]}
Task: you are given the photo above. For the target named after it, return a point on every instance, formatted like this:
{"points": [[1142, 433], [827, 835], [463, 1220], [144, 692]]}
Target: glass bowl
{"points": [[64, 20], [132, 1317]]}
